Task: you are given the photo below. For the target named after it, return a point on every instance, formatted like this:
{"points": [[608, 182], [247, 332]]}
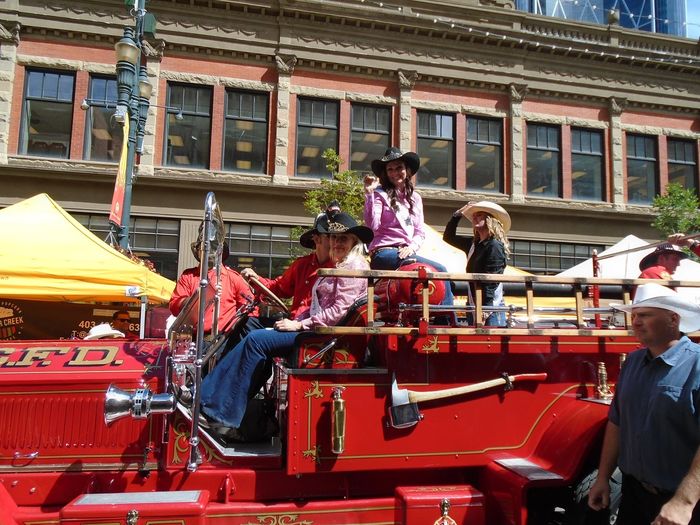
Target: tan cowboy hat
{"points": [[656, 296], [492, 209], [103, 331], [650, 259]]}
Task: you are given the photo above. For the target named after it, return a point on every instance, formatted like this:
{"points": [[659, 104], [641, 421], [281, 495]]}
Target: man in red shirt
{"points": [[235, 292], [662, 262], [298, 280]]}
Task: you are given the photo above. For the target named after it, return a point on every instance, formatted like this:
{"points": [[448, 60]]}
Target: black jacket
{"points": [[489, 256]]}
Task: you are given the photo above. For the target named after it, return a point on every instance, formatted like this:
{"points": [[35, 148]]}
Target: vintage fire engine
{"points": [[386, 418]]}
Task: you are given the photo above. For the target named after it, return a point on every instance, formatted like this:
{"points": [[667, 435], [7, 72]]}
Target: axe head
{"points": [[402, 413]]}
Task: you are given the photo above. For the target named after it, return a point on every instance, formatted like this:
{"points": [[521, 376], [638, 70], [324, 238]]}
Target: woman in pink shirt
{"points": [[226, 390], [394, 211]]}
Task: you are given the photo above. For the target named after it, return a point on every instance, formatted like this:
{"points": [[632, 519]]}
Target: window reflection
{"points": [[317, 130], [484, 154], [587, 165], [188, 140], [370, 136], [641, 169], [47, 114], [436, 149], [543, 164], [682, 163], [103, 135], [245, 132]]}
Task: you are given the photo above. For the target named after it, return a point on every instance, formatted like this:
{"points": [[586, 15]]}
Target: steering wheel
{"points": [[267, 296]]}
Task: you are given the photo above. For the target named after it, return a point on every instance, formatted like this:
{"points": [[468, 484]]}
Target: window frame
{"points": [[232, 119], [25, 124], [546, 148], [589, 154], [655, 142], [353, 129], [451, 140], [299, 124], [185, 112], [500, 182]]}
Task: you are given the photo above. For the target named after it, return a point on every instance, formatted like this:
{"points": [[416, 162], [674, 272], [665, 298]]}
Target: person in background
{"points": [[661, 263], [394, 212], [487, 250], [653, 429], [235, 292], [298, 279], [679, 239], [242, 372], [121, 320]]}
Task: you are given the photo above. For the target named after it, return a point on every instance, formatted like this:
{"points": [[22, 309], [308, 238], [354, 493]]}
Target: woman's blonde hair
{"points": [[357, 250], [496, 231]]}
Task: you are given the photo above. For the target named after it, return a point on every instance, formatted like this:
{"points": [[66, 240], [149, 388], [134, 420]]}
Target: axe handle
{"points": [[417, 397]]}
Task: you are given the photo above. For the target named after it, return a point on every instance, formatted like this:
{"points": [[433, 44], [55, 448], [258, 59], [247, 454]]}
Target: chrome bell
{"points": [[140, 405]]}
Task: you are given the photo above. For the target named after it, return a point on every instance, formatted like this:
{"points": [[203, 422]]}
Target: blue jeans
{"points": [[226, 390], [388, 259]]}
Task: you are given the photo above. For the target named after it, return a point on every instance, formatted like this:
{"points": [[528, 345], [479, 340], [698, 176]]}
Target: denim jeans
{"points": [[388, 259], [226, 390]]}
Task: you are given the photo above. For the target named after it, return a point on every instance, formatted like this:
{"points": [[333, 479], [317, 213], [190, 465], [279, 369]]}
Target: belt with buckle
{"points": [[382, 248]]}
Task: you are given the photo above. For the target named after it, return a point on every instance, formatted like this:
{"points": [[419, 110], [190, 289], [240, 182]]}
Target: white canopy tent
{"points": [[626, 266]]}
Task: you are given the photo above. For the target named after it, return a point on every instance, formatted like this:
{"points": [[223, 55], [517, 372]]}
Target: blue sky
{"points": [[693, 19]]}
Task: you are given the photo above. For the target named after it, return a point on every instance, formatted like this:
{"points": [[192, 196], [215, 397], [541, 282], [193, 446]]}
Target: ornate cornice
{"points": [[407, 79], [10, 36], [517, 92], [285, 64], [616, 105]]}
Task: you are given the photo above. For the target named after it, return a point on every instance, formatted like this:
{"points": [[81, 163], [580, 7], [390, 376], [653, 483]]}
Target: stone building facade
{"points": [[573, 128]]}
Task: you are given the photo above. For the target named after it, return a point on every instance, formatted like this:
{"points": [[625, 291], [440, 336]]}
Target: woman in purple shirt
{"points": [[394, 211], [226, 390]]}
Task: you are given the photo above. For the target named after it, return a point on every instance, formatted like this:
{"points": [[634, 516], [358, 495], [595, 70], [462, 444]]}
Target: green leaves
{"points": [[346, 187], [677, 211]]}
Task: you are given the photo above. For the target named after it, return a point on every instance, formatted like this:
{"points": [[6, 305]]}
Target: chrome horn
{"points": [[141, 404]]}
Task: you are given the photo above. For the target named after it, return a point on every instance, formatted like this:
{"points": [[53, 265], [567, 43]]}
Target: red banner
{"points": [[115, 213]]}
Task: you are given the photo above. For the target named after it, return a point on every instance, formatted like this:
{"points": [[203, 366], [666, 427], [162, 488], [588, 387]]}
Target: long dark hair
{"points": [[390, 189]]}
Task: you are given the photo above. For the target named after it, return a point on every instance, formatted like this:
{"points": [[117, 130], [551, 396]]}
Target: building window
{"points": [[317, 131], [641, 169], [682, 163], [371, 135], [47, 114], [155, 240], [245, 133], [543, 164], [265, 248], [484, 154], [587, 165], [549, 257], [436, 133], [188, 139], [103, 134]]}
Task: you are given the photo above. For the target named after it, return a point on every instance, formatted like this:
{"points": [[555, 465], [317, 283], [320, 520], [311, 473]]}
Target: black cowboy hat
{"points": [[344, 223], [307, 238], [650, 260], [411, 159]]}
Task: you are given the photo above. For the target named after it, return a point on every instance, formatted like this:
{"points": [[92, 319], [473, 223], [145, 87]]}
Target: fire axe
{"points": [[403, 412]]}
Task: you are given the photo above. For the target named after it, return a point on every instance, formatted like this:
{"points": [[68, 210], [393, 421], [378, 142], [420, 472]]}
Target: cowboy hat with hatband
{"points": [[344, 223], [490, 208], [411, 160], [656, 296], [651, 259], [103, 331], [196, 245], [307, 238]]}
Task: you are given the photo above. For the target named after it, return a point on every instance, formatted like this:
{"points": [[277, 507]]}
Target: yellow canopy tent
{"points": [[47, 255]]}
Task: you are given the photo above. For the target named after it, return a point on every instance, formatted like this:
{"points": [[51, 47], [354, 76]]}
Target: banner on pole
{"points": [[115, 213]]}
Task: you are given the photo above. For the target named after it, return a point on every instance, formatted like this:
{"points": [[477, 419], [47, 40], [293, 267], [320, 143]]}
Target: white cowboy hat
{"points": [[103, 331], [656, 296], [492, 209]]}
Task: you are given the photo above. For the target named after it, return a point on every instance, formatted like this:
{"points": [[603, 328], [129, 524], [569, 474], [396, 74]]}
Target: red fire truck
{"points": [[386, 418]]}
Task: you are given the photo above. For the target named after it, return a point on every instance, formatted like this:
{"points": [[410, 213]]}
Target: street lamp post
{"points": [[133, 94]]}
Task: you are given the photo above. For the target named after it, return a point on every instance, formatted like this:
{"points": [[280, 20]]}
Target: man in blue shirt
{"points": [[653, 429]]}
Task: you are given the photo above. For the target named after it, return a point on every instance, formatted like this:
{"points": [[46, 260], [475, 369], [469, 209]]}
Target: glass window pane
{"points": [[365, 147], [437, 163], [48, 129], [484, 167], [50, 87], [65, 88]]}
